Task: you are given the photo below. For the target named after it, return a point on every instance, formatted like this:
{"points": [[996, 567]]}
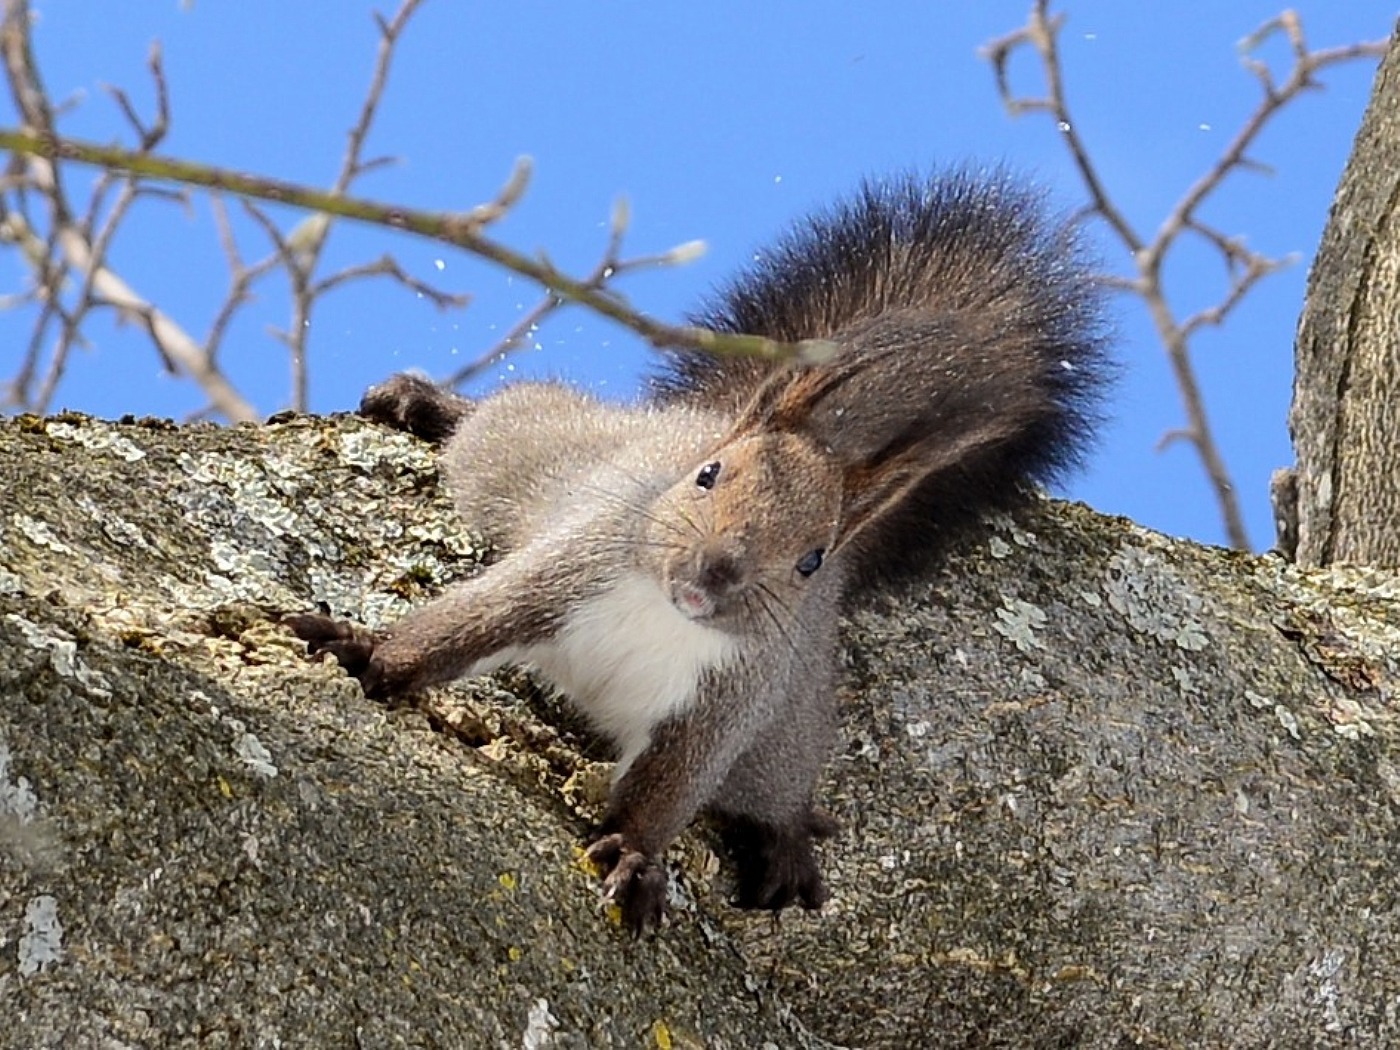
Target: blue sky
{"points": [[720, 121]]}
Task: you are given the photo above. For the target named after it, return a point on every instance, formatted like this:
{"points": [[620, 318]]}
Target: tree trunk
{"points": [[1097, 788], [1345, 418]]}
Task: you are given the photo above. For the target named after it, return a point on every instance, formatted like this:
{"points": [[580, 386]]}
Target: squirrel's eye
{"points": [[708, 473], [811, 562]]}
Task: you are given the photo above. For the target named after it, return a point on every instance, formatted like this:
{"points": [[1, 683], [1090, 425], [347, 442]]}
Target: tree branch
{"points": [[80, 250], [459, 229], [608, 267], [1244, 266]]}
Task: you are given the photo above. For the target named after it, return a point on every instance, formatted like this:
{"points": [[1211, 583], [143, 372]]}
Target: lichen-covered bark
{"points": [[1097, 788], [1345, 418]]}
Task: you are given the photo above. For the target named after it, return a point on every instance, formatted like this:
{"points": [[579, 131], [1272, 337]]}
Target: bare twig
{"points": [[71, 244], [1244, 266], [70, 329], [241, 279], [72, 249], [178, 345], [72, 278], [1041, 32], [387, 266], [150, 136], [302, 257], [608, 267], [389, 31], [510, 193], [459, 229]]}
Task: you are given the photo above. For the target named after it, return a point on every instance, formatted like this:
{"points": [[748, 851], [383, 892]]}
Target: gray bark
{"points": [[1097, 788], [1345, 418]]}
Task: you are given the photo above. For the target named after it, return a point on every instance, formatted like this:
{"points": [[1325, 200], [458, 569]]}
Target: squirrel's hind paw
{"points": [[633, 881], [776, 865], [415, 404]]}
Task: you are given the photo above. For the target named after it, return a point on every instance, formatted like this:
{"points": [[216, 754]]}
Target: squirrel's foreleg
{"points": [[466, 629]]}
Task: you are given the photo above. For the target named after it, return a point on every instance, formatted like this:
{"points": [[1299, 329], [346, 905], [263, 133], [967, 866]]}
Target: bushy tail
{"points": [[972, 356]]}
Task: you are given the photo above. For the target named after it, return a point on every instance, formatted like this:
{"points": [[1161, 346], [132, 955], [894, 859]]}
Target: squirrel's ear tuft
{"points": [[913, 428], [900, 478]]}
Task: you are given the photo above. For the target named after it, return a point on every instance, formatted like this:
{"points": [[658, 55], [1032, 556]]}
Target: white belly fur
{"points": [[628, 659]]}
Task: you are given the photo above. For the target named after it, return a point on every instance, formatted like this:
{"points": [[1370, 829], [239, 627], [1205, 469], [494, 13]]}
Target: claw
{"points": [[605, 852], [317, 630], [352, 647], [633, 881]]}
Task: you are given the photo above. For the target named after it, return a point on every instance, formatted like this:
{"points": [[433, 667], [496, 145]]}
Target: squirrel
{"points": [[678, 567]]}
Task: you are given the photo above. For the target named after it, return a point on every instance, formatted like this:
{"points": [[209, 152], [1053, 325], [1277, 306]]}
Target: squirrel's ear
{"points": [[772, 406], [900, 479], [901, 423]]}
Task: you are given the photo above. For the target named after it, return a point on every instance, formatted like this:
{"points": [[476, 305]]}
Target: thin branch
{"points": [[72, 276], [1244, 266], [1042, 33], [302, 253], [458, 229], [173, 341], [176, 343], [508, 196], [70, 331], [79, 249], [25, 86], [1256, 268], [1301, 78], [507, 344], [50, 306], [241, 279], [351, 167], [387, 266], [150, 136], [608, 267], [296, 260]]}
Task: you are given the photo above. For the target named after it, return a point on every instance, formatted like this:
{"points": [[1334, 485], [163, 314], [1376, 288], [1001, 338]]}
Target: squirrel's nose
{"points": [[720, 571]]}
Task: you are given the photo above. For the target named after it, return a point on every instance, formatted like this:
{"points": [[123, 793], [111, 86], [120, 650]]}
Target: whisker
{"points": [[762, 591], [632, 503]]}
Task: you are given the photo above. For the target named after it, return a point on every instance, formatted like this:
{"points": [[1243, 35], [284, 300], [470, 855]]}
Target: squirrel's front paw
{"points": [[352, 647], [632, 880]]}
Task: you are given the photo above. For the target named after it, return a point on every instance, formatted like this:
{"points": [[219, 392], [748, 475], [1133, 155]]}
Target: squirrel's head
{"points": [[842, 460], [742, 534]]}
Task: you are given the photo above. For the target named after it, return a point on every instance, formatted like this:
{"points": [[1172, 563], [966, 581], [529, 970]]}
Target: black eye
{"points": [[706, 478], [811, 562]]}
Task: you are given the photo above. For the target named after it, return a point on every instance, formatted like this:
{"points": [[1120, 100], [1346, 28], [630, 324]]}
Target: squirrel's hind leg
{"points": [[417, 405], [765, 811]]}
